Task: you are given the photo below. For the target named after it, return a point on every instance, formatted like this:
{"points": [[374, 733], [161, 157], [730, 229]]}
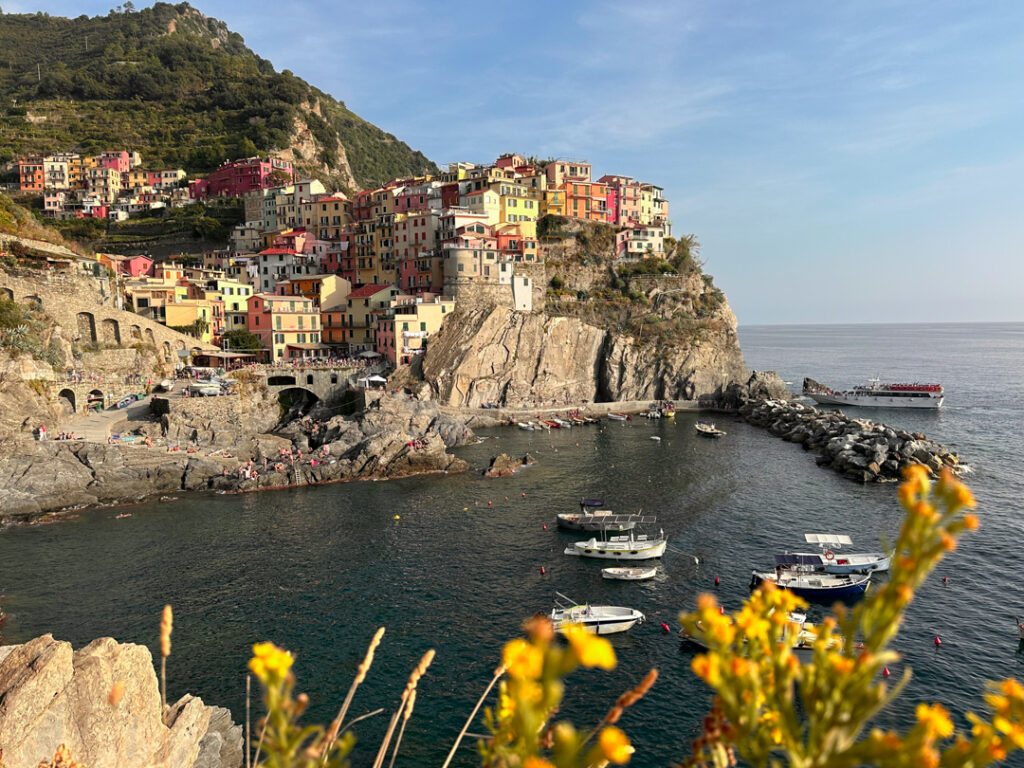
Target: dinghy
{"points": [[629, 574]]}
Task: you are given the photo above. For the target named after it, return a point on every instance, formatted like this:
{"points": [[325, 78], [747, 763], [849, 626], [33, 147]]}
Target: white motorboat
{"points": [[599, 619], [629, 574], [708, 429], [166, 385], [562, 423], [831, 559], [875, 394], [631, 547], [799, 632], [618, 416], [525, 425]]}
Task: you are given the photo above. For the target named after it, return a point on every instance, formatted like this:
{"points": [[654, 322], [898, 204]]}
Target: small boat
{"points": [[629, 574], [708, 429], [552, 424], [631, 547], [599, 619], [831, 560], [653, 413], [563, 423], [590, 518], [618, 416], [814, 585], [799, 632], [122, 516], [166, 385], [525, 425], [655, 437]]}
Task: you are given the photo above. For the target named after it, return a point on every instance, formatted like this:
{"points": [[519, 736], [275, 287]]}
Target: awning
{"points": [[368, 353], [376, 378], [228, 355], [307, 346], [798, 559]]}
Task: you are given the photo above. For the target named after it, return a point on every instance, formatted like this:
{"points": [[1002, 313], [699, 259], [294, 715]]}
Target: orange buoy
{"points": [[664, 627], [716, 581], [524, 494], [490, 503], [542, 570], [937, 641], [721, 609], [545, 526], [885, 671]]}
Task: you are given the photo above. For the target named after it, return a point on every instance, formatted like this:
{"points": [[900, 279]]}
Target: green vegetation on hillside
{"points": [[176, 86]]}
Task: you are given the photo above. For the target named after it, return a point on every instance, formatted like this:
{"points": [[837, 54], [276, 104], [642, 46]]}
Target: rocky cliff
{"points": [[52, 695], [495, 354]]}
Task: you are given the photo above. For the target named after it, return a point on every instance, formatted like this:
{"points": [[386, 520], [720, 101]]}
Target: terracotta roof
{"points": [[366, 291]]}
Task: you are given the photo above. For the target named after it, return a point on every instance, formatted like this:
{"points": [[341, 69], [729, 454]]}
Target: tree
{"points": [[241, 341]]}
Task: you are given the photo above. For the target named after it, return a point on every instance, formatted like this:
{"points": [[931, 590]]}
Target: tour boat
{"points": [[708, 429], [875, 394], [599, 619], [814, 585], [590, 518], [629, 574], [631, 547], [831, 560]]}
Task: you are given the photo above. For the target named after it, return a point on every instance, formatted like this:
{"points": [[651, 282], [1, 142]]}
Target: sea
{"points": [[456, 563]]}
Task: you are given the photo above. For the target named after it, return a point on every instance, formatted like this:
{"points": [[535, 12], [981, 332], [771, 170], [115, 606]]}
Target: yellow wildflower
{"points": [[948, 542], [971, 521], [524, 660], [269, 662], [591, 650], [935, 719], [708, 668], [996, 749], [841, 664], [537, 762], [1012, 688], [615, 745], [966, 499]]}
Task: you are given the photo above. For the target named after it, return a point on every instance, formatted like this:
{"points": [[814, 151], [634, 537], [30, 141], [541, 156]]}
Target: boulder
{"points": [[503, 465], [51, 695]]}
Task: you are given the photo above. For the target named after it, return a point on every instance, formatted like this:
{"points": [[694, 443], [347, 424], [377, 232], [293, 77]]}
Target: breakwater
{"points": [[859, 449]]}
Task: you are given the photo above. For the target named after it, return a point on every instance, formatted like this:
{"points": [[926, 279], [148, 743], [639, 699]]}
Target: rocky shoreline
{"points": [[859, 449]]}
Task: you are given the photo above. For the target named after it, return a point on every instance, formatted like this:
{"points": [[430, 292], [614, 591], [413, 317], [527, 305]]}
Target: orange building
{"points": [[31, 174], [586, 200]]}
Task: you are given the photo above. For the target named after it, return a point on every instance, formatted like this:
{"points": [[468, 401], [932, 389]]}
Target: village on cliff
{"points": [[313, 273]]}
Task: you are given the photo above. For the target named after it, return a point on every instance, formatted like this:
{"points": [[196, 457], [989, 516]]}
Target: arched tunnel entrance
{"points": [[295, 402]]}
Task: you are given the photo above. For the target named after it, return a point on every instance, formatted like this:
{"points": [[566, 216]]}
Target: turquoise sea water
{"points": [[319, 569]]}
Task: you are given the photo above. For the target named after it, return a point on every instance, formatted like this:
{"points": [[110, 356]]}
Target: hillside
{"points": [[181, 89]]}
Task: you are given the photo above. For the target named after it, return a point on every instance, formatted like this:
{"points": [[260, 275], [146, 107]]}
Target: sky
{"points": [[839, 162]]}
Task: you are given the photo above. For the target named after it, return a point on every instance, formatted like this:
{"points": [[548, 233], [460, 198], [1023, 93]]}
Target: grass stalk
{"points": [[469, 720], [248, 727], [414, 678], [335, 729]]}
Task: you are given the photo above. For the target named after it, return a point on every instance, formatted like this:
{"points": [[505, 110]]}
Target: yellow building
{"points": [[189, 311], [485, 202], [552, 202], [404, 334], [324, 290]]}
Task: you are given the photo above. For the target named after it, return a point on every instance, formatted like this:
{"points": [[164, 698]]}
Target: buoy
{"points": [[716, 581], [490, 503], [545, 526], [397, 517], [465, 509], [524, 494], [937, 641], [885, 671], [506, 498], [542, 570], [721, 609], [945, 579], [664, 627]]}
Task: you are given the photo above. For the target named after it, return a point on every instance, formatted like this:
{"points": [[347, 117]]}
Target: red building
{"points": [[237, 177]]}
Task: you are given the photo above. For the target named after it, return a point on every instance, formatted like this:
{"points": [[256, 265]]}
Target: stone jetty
{"points": [[859, 449]]}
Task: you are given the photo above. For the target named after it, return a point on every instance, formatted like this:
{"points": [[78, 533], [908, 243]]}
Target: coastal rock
{"points": [[859, 449], [503, 464], [51, 695]]}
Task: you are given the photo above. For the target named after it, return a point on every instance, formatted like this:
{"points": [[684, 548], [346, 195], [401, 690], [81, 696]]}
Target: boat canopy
{"points": [[592, 502], [789, 559], [828, 539]]}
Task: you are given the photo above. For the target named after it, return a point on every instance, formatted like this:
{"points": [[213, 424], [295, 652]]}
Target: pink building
{"points": [[119, 161], [237, 177], [136, 266]]}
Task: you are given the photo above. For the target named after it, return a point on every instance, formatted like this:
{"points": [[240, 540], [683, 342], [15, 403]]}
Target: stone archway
{"points": [[87, 326], [167, 347], [136, 333], [111, 332], [196, 351], [33, 302], [66, 397], [151, 339], [280, 381], [95, 399], [296, 401]]}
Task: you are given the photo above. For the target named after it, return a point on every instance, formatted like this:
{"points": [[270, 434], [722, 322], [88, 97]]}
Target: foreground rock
{"points": [[395, 437], [51, 695], [859, 449], [503, 465]]}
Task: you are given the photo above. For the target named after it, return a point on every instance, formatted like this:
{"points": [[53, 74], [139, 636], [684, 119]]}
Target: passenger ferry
{"points": [[875, 394]]}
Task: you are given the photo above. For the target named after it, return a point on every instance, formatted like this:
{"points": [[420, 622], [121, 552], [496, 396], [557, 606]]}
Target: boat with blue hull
{"points": [[814, 585]]}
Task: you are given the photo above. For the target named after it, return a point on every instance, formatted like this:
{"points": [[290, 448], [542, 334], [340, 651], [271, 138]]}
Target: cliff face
{"points": [[526, 359]]}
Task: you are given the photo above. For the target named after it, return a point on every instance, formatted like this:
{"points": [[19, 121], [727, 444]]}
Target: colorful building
{"points": [[403, 331], [237, 177], [288, 326], [363, 305]]}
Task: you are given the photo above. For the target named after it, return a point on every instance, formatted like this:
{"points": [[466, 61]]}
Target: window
{"points": [[423, 326], [278, 319]]}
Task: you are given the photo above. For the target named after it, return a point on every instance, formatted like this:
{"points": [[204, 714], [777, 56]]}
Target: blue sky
{"points": [[839, 162]]}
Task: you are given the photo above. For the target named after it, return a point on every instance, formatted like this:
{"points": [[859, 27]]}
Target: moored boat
{"points": [[708, 429], [599, 619], [590, 518], [875, 394], [831, 559], [631, 547], [814, 585], [525, 425], [797, 631], [629, 574], [618, 416]]}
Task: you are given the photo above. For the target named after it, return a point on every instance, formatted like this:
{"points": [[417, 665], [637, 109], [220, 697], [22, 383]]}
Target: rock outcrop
{"points": [[395, 437], [51, 695], [503, 465], [498, 355], [859, 449]]}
